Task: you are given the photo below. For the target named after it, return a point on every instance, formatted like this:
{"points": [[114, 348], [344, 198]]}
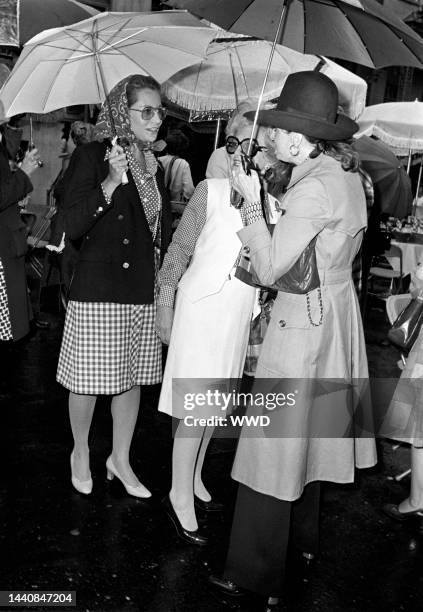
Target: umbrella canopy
{"points": [[392, 185], [79, 64], [24, 19], [233, 71], [398, 124], [360, 31]]}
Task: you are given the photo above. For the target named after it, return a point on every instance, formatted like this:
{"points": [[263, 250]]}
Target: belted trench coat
{"points": [[324, 200]]}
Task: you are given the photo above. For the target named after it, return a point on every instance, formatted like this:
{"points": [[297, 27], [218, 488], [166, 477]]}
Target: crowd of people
{"points": [[136, 285]]}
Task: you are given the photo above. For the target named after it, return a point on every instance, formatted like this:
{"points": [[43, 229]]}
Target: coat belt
{"points": [[335, 277]]}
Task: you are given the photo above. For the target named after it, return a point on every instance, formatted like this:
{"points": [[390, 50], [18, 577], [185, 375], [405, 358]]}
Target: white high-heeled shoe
{"points": [[82, 486], [138, 491]]}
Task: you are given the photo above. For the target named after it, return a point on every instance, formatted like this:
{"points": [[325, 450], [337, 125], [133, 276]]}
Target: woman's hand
{"points": [[164, 321], [30, 162], [118, 164], [247, 186]]}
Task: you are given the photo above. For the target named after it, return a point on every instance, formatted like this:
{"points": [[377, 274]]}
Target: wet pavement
{"points": [[121, 554]]}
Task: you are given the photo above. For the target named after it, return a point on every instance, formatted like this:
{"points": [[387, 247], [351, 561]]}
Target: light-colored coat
{"points": [[322, 199]]}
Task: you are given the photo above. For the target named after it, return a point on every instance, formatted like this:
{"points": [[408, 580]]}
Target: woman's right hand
{"points": [[30, 162], [118, 164], [164, 321]]}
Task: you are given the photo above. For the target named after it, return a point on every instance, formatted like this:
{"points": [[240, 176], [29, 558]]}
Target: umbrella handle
{"points": [[124, 179]]}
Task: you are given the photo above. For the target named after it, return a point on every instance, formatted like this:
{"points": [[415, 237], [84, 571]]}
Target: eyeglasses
{"points": [[148, 112], [232, 143]]}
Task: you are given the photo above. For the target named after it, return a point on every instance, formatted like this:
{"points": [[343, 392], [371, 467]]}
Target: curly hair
{"points": [[341, 150]]}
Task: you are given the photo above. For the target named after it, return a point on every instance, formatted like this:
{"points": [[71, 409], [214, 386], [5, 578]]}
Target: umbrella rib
{"points": [[244, 78], [125, 22], [171, 46], [45, 98]]}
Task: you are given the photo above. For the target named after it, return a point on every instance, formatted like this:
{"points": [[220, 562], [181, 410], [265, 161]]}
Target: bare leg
{"points": [[199, 488], [81, 410], [185, 451], [125, 408], [415, 500]]}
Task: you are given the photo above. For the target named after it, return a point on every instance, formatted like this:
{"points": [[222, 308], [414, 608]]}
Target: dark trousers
{"points": [[262, 529]]}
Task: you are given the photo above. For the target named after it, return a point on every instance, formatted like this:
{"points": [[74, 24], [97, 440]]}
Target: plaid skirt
{"points": [[108, 348], [5, 326]]}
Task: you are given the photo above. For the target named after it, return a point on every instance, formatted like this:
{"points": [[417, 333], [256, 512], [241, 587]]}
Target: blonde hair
{"points": [[238, 121]]}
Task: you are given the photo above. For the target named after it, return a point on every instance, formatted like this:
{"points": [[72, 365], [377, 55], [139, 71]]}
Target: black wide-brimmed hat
{"points": [[308, 104]]}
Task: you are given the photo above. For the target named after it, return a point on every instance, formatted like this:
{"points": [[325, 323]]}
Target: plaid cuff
{"points": [[166, 296]]}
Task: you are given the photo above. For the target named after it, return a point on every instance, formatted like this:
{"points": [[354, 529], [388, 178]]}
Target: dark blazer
{"points": [[116, 260], [14, 186]]}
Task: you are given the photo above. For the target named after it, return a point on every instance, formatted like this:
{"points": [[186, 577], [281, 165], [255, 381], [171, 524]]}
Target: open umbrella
{"points": [[391, 184], [360, 31], [23, 19], [398, 124], [79, 64], [232, 72]]}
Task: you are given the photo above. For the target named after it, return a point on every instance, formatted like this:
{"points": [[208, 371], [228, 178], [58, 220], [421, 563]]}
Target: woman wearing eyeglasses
{"points": [[207, 330], [238, 131], [117, 204]]}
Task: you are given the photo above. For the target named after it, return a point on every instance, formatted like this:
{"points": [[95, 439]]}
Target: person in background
{"points": [[116, 203], [62, 248], [404, 419], [177, 173], [15, 185]]}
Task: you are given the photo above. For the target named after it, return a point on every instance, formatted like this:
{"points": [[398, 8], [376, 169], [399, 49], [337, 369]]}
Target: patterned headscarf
{"points": [[114, 120]]}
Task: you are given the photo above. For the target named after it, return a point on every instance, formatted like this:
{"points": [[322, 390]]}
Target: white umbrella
{"points": [[80, 64], [397, 124], [233, 71]]}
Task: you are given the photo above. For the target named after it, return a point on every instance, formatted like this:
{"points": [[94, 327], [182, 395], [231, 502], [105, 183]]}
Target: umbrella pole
{"points": [[281, 23], [409, 162], [417, 188], [217, 134], [31, 134], [102, 78]]}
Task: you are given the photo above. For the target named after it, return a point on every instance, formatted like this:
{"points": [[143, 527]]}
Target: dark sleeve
{"points": [[84, 202], [14, 186]]}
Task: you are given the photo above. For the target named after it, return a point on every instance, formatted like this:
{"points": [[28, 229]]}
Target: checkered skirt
{"points": [[5, 326], [108, 348]]}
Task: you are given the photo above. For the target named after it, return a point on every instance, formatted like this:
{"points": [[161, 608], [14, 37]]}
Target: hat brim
{"points": [[343, 129]]}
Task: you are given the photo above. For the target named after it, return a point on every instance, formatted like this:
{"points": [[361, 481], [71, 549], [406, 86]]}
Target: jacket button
{"points": [[87, 237], [125, 265], [246, 249], [125, 241], [281, 323], [120, 217]]}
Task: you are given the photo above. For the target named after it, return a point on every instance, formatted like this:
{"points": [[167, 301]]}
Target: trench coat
{"points": [[324, 200]]}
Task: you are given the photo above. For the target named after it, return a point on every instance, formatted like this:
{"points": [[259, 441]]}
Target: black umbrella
{"points": [[392, 185]]}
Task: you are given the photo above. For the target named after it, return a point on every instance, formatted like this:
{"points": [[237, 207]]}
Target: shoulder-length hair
{"points": [[341, 150]]}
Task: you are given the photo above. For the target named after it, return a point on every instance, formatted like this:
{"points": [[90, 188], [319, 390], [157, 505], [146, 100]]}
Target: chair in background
{"points": [[387, 266]]}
